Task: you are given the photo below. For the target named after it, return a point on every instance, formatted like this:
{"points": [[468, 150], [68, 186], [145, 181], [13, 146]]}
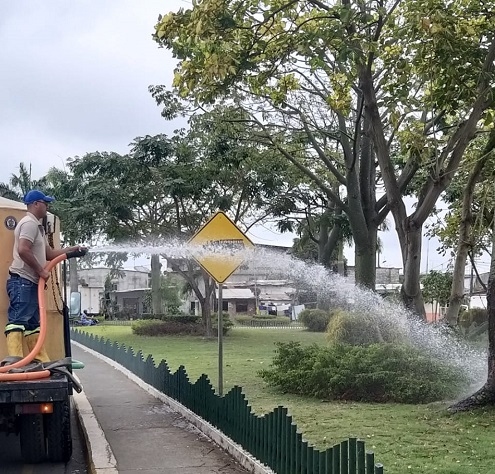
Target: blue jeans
{"points": [[24, 312]]}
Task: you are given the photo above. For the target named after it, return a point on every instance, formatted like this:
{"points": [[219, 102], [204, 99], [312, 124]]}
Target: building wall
{"points": [[237, 306], [384, 276], [92, 285], [91, 299]]}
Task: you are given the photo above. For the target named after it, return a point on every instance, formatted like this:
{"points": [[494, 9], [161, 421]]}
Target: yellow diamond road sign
{"points": [[219, 246]]}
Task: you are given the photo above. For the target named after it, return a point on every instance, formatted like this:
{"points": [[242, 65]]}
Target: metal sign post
{"points": [[220, 340], [220, 230]]}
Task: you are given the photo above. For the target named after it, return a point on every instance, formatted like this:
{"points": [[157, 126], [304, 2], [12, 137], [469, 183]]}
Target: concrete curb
{"points": [[244, 458], [101, 459]]}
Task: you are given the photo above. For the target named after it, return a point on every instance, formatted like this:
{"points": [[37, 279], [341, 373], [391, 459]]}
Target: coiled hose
{"points": [[38, 374]]}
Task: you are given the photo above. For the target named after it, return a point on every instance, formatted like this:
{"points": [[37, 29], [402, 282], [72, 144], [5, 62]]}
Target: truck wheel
{"points": [[32, 438], [58, 434]]}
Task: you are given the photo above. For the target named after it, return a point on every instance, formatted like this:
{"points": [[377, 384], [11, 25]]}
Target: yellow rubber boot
{"points": [[14, 344], [31, 341]]}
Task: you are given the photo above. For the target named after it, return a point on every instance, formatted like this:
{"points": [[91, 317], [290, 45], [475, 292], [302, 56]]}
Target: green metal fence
{"points": [[272, 438]]}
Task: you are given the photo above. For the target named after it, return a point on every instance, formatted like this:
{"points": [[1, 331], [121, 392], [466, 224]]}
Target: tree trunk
{"points": [[328, 240], [340, 260], [365, 259], [447, 164], [457, 291], [411, 254], [207, 304], [192, 277], [206, 315], [485, 395], [156, 301], [465, 239]]}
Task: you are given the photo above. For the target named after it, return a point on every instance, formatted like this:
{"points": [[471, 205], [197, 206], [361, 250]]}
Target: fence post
{"points": [[370, 462], [378, 468], [329, 461], [361, 459], [344, 457], [336, 459]]}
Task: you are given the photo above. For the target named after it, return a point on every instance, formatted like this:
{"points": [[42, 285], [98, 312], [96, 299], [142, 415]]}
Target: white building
{"points": [[92, 286]]}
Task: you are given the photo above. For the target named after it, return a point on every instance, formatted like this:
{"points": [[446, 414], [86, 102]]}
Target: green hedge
{"points": [[315, 320], [188, 325], [373, 373], [157, 327], [362, 329]]}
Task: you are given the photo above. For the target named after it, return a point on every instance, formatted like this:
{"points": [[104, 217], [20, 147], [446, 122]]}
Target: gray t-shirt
{"points": [[29, 228]]}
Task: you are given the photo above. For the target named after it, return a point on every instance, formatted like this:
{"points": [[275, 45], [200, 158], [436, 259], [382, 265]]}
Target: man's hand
{"points": [[44, 274], [77, 251]]}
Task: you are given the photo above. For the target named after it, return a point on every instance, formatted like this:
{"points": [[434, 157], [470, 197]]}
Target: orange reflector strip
{"points": [[33, 408]]}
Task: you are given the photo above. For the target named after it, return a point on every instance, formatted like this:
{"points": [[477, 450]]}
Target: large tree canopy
{"points": [[166, 187], [401, 84]]}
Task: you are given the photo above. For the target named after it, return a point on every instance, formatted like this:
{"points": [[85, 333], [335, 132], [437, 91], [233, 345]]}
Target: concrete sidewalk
{"points": [[144, 435]]}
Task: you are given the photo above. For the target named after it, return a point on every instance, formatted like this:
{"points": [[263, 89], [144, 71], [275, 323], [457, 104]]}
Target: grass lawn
{"points": [[405, 438]]}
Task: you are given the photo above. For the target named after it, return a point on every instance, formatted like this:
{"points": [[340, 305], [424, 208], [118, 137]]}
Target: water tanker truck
{"points": [[35, 398]]}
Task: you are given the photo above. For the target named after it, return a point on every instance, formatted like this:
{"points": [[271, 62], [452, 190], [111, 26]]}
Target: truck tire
{"points": [[32, 438], [58, 434]]}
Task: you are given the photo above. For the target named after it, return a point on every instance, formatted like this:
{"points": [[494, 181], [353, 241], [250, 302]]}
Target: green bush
{"points": [[157, 327], [315, 320], [473, 316], [181, 317], [374, 373], [361, 329], [226, 322]]}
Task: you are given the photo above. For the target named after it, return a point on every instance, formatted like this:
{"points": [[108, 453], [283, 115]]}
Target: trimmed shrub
{"points": [[315, 320], [226, 323], [361, 329], [157, 327], [181, 317], [473, 316], [374, 373], [186, 324]]}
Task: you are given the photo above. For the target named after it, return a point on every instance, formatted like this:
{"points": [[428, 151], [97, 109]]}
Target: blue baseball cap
{"points": [[36, 195]]}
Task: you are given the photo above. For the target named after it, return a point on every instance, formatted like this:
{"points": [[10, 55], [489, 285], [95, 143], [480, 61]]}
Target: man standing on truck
{"points": [[30, 255]]}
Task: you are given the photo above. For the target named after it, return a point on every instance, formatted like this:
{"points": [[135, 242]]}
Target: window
{"points": [[241, 307]]}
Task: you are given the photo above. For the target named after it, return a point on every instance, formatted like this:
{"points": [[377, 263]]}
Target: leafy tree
{"points": [[170, 289], [468, 221], [336, 86], [168, 186], [437, 287], [20, 184], [126, 197], [486, 394], [322, 229], [7, 192]]}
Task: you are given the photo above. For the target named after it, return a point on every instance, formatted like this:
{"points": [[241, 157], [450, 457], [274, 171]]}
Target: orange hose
{"points": [[41, 338]]}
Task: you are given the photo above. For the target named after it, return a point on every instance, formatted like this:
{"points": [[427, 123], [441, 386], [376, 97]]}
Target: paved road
{"points": [[145, 436], [11, 463]]}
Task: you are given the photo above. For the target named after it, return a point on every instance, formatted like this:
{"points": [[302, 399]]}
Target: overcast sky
{"points": [[75, 79]]}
